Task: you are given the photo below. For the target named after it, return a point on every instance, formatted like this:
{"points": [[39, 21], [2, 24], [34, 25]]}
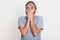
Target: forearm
{"points": [[34, 29], [25, 29]]}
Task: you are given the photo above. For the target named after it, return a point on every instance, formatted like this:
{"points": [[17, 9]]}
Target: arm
{"points": [[24, 29], [34, 29]]}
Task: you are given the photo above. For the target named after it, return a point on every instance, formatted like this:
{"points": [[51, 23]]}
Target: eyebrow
{"points": [[29, 5]]}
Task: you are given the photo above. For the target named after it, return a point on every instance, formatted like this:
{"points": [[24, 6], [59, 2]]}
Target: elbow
{"points": [[23, 34], [35, 34]]}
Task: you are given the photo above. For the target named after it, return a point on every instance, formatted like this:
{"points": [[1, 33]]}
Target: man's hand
{"points": [[30, 16]]}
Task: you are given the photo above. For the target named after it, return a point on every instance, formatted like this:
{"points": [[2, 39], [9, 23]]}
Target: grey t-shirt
{"points": [[38, 20]]}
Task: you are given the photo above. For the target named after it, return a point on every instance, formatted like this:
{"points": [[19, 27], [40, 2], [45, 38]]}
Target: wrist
{"points": [[28, 20], [32, 20]]}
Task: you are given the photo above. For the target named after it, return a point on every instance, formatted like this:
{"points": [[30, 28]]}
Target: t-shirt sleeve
{"points": [[40, 22], [21, 22]]}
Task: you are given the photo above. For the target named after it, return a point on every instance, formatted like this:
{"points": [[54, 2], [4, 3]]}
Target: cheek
{"points": [[33, 11], [27, 10]]}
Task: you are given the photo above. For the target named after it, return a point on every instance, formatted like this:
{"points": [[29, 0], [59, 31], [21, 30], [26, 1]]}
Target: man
{"points": [[30, 25]]}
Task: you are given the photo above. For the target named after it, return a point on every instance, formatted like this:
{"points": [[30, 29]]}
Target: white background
{"points": [[10, 10]]}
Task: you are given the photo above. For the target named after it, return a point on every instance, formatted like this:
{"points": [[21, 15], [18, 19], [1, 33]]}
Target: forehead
{"points": [[31, 4]]}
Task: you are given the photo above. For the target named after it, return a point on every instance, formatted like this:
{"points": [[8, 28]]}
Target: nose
{"points": [[30, 8]]}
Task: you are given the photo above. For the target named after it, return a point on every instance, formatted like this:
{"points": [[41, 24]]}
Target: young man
{"points": [[30, 25]]}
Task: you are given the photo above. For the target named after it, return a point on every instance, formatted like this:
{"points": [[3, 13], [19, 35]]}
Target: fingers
{"points": [[30, 15]]}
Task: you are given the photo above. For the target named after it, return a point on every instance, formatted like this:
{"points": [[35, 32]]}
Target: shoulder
{"points": [[22, 17], [39, 17]]}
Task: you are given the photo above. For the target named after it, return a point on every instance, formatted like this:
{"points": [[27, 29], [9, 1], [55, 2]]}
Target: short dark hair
{"points": [[32, 3]]}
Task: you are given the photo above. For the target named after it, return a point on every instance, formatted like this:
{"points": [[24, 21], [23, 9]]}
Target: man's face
{"points": [[30, 8]]}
